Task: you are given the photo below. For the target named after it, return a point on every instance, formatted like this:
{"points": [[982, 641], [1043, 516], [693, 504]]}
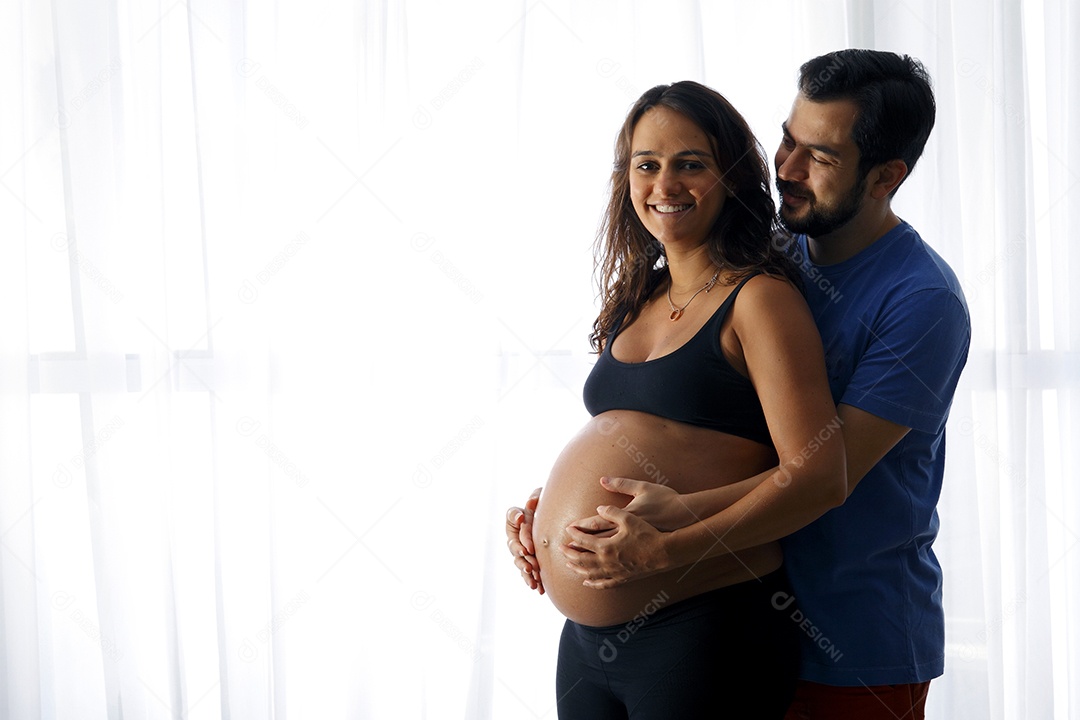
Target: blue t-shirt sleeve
{"points": [[916, 351]]}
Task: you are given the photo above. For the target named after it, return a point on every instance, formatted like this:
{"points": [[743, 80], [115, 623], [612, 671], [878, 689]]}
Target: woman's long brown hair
{"points": [[630, 263]]}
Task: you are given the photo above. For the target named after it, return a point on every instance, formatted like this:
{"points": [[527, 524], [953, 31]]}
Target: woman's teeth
{"points": [[671, 208]]}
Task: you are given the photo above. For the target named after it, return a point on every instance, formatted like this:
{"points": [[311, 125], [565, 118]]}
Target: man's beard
{"points": [[821, 220]]}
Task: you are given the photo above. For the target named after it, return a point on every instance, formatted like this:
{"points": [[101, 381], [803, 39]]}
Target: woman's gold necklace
{"points": [[676, 312]]}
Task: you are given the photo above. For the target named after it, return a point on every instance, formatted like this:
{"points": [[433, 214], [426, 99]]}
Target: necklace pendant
{"points": [[676, 314]]}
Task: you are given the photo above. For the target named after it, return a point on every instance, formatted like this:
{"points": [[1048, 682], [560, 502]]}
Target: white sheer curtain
{"points": [[295, 303]]}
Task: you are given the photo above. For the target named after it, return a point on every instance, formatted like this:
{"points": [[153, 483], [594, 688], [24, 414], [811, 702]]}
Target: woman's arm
{"points": [[665, 508], [785, 361], [867, 439]]}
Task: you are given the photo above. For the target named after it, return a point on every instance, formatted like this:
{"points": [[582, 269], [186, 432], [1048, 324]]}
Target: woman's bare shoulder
{"points": [[765, 291]]}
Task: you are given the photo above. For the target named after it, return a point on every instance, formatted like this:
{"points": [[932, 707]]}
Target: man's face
{"points": [[817, 167]]}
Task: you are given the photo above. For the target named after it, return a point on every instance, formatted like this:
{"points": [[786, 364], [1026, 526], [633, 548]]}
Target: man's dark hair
{"points": [[893, 94]]}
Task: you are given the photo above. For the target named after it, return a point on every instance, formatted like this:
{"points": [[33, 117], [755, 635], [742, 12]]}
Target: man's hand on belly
{"points": [[519, 541], [635, 550]]}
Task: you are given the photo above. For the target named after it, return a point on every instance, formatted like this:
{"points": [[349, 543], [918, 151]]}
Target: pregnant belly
{"points": [[643, 447]]}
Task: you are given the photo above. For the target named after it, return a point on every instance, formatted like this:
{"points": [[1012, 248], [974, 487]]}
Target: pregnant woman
{"points": [[710, 372]]}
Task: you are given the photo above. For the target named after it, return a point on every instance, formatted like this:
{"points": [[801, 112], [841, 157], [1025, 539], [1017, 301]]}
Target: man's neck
{"points": [[846, 242]]}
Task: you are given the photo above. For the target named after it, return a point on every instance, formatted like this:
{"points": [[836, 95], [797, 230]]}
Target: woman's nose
{"points": [[668, 184]]}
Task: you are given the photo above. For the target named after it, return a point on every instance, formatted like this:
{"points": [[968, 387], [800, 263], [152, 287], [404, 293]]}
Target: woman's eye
{"points": [[692, 166], [647, 166]]}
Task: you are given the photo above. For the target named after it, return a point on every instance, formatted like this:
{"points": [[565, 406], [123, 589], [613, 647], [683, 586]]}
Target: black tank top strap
{"points": [[725, 307]]}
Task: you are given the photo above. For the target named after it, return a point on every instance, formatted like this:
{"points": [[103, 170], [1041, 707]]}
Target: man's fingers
{"points": [[529, 570], [514, 518], [525, 526], [519, 523], [525, 533], [522, 565], [527, 565], [516, 548]]}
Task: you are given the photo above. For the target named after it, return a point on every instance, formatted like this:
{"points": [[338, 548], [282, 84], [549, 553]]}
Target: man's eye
{"points": [[818, 160]]}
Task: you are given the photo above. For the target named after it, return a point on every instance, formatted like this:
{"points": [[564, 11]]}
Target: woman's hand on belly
{"points": [[638, 551], [633, 549], [689, 460], [661, 506]]}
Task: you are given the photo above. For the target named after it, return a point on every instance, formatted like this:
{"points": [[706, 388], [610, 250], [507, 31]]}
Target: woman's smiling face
{"points": [[675, 182]]}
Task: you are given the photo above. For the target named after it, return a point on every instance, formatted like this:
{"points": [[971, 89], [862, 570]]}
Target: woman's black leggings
{"points": [[727, 653]]}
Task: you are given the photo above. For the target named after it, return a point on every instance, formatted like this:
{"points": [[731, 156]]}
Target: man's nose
{"points": [[791, 165]]}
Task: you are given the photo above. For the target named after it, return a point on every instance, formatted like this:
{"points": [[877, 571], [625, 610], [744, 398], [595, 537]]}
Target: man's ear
{"points": [[884, 178]]}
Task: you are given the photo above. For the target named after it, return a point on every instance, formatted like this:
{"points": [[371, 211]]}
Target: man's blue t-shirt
{"points": [[896, 330]]}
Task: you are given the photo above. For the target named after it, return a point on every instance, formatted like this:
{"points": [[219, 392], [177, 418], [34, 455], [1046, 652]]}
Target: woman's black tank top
{"points": [[695, 384]]}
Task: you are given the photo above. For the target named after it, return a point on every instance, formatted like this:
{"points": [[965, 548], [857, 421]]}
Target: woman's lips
{"points": [[671, 209]]}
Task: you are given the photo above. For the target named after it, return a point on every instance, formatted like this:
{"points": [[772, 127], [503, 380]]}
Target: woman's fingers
{"points": [[594, 525], [625, 486]]}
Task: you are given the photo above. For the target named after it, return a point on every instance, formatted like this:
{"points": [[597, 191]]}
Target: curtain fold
{"points": [[296, 303]]}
